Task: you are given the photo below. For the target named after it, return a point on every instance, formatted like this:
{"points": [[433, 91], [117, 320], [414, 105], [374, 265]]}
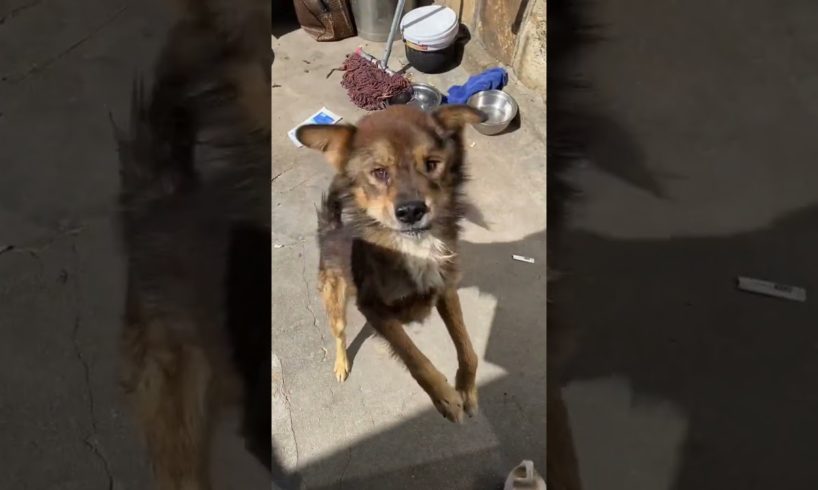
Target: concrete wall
{"points": [[529, 60], [512, 31], [498, 22]]}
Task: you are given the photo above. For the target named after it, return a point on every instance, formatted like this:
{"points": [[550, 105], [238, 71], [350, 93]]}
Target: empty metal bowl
{"points": [[426, 97], [499, 108]]}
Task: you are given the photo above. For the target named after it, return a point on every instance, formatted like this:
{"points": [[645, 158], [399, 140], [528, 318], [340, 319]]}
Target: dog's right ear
{"points": [[454, 117], [335, 141]]}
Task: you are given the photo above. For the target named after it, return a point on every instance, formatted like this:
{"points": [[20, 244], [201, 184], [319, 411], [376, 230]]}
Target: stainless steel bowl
{"points": [[426, 97], [499, 107]]}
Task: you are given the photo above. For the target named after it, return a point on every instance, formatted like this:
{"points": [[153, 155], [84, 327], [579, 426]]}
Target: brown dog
{"points": [[388, 234]]}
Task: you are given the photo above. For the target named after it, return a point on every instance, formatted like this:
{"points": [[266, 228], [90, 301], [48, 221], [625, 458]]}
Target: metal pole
{"points": [[392, 31]]}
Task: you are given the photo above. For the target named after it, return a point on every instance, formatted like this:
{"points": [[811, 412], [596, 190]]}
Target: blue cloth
{"points": [[493, 78]]}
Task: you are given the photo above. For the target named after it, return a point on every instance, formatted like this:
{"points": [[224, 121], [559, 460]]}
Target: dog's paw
{"points": [[341, 369], [449, 403], [469, 400]]}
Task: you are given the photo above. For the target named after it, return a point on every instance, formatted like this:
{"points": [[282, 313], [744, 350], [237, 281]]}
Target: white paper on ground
{"points": [[324, 116], [768, 288], [520, 258]]}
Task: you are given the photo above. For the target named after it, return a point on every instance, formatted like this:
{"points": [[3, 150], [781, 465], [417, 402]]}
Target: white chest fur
{"points": [[424, 258]]}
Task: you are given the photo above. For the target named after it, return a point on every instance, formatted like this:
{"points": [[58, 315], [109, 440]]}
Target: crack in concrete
{"points": [[44, 65], [14, 12], [364, 406], [346, 467], [38, 246], [519, 408], [307, 297], [369, 413], [90, 441], [276, 176], [296, 186], [406, 401], [286, 394]]}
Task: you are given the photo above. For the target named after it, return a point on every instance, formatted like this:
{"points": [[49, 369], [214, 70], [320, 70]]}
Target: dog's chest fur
{"points": [[408, 273], [423, 260]]}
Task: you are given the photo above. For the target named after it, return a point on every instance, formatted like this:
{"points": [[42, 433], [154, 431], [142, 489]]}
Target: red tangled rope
{"points": [[368, 86]]}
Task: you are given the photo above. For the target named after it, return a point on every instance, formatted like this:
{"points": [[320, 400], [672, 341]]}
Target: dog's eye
{"points": [[431, 164], [381, 174]]}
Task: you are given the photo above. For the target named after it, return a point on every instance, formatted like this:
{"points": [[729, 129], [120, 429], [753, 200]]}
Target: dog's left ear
{"points": [[454, 117], [335, 141]]}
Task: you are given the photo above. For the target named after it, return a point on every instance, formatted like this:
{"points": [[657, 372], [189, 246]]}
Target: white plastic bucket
{"points": [[430, 28]]}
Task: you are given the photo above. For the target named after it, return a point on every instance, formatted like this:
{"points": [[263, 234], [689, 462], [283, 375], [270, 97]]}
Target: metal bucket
{"points": [[373, 18]]}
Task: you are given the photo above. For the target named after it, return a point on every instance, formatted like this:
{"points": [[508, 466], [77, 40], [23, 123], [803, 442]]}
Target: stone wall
{"points": [[529, 61], [512, 31]]}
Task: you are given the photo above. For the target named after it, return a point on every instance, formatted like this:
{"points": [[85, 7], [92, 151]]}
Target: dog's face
{"points": [[404, 166]]}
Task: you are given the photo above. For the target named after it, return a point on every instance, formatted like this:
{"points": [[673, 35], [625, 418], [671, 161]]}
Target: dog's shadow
{"points": [[355, 346]]}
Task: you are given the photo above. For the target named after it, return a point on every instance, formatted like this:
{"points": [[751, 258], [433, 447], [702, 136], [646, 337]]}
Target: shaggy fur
{"points": [[397, 268], [195, 169]]}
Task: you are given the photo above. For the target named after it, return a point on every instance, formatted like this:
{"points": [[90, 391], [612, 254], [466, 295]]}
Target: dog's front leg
{"points": [[333, 288], [448, 305], [446, 399]]}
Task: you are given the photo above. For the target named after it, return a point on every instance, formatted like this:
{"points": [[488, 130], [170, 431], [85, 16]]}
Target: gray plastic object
{"points": [[524, 477]]}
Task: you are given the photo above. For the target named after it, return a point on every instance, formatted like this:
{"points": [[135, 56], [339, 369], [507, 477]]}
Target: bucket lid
{"points": [[429, 25]]}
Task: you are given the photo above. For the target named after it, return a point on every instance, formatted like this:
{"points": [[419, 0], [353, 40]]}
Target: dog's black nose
{"points": [[411, 212]]}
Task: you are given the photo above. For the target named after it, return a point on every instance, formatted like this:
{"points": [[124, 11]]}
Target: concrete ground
{"points": [[379, 429], [702, 168], [63, 66]]}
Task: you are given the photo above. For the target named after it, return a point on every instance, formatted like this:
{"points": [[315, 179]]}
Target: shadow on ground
{"points": [[665, 314], [284, 19], [517, 331], [741, 373], [579, 130]]}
